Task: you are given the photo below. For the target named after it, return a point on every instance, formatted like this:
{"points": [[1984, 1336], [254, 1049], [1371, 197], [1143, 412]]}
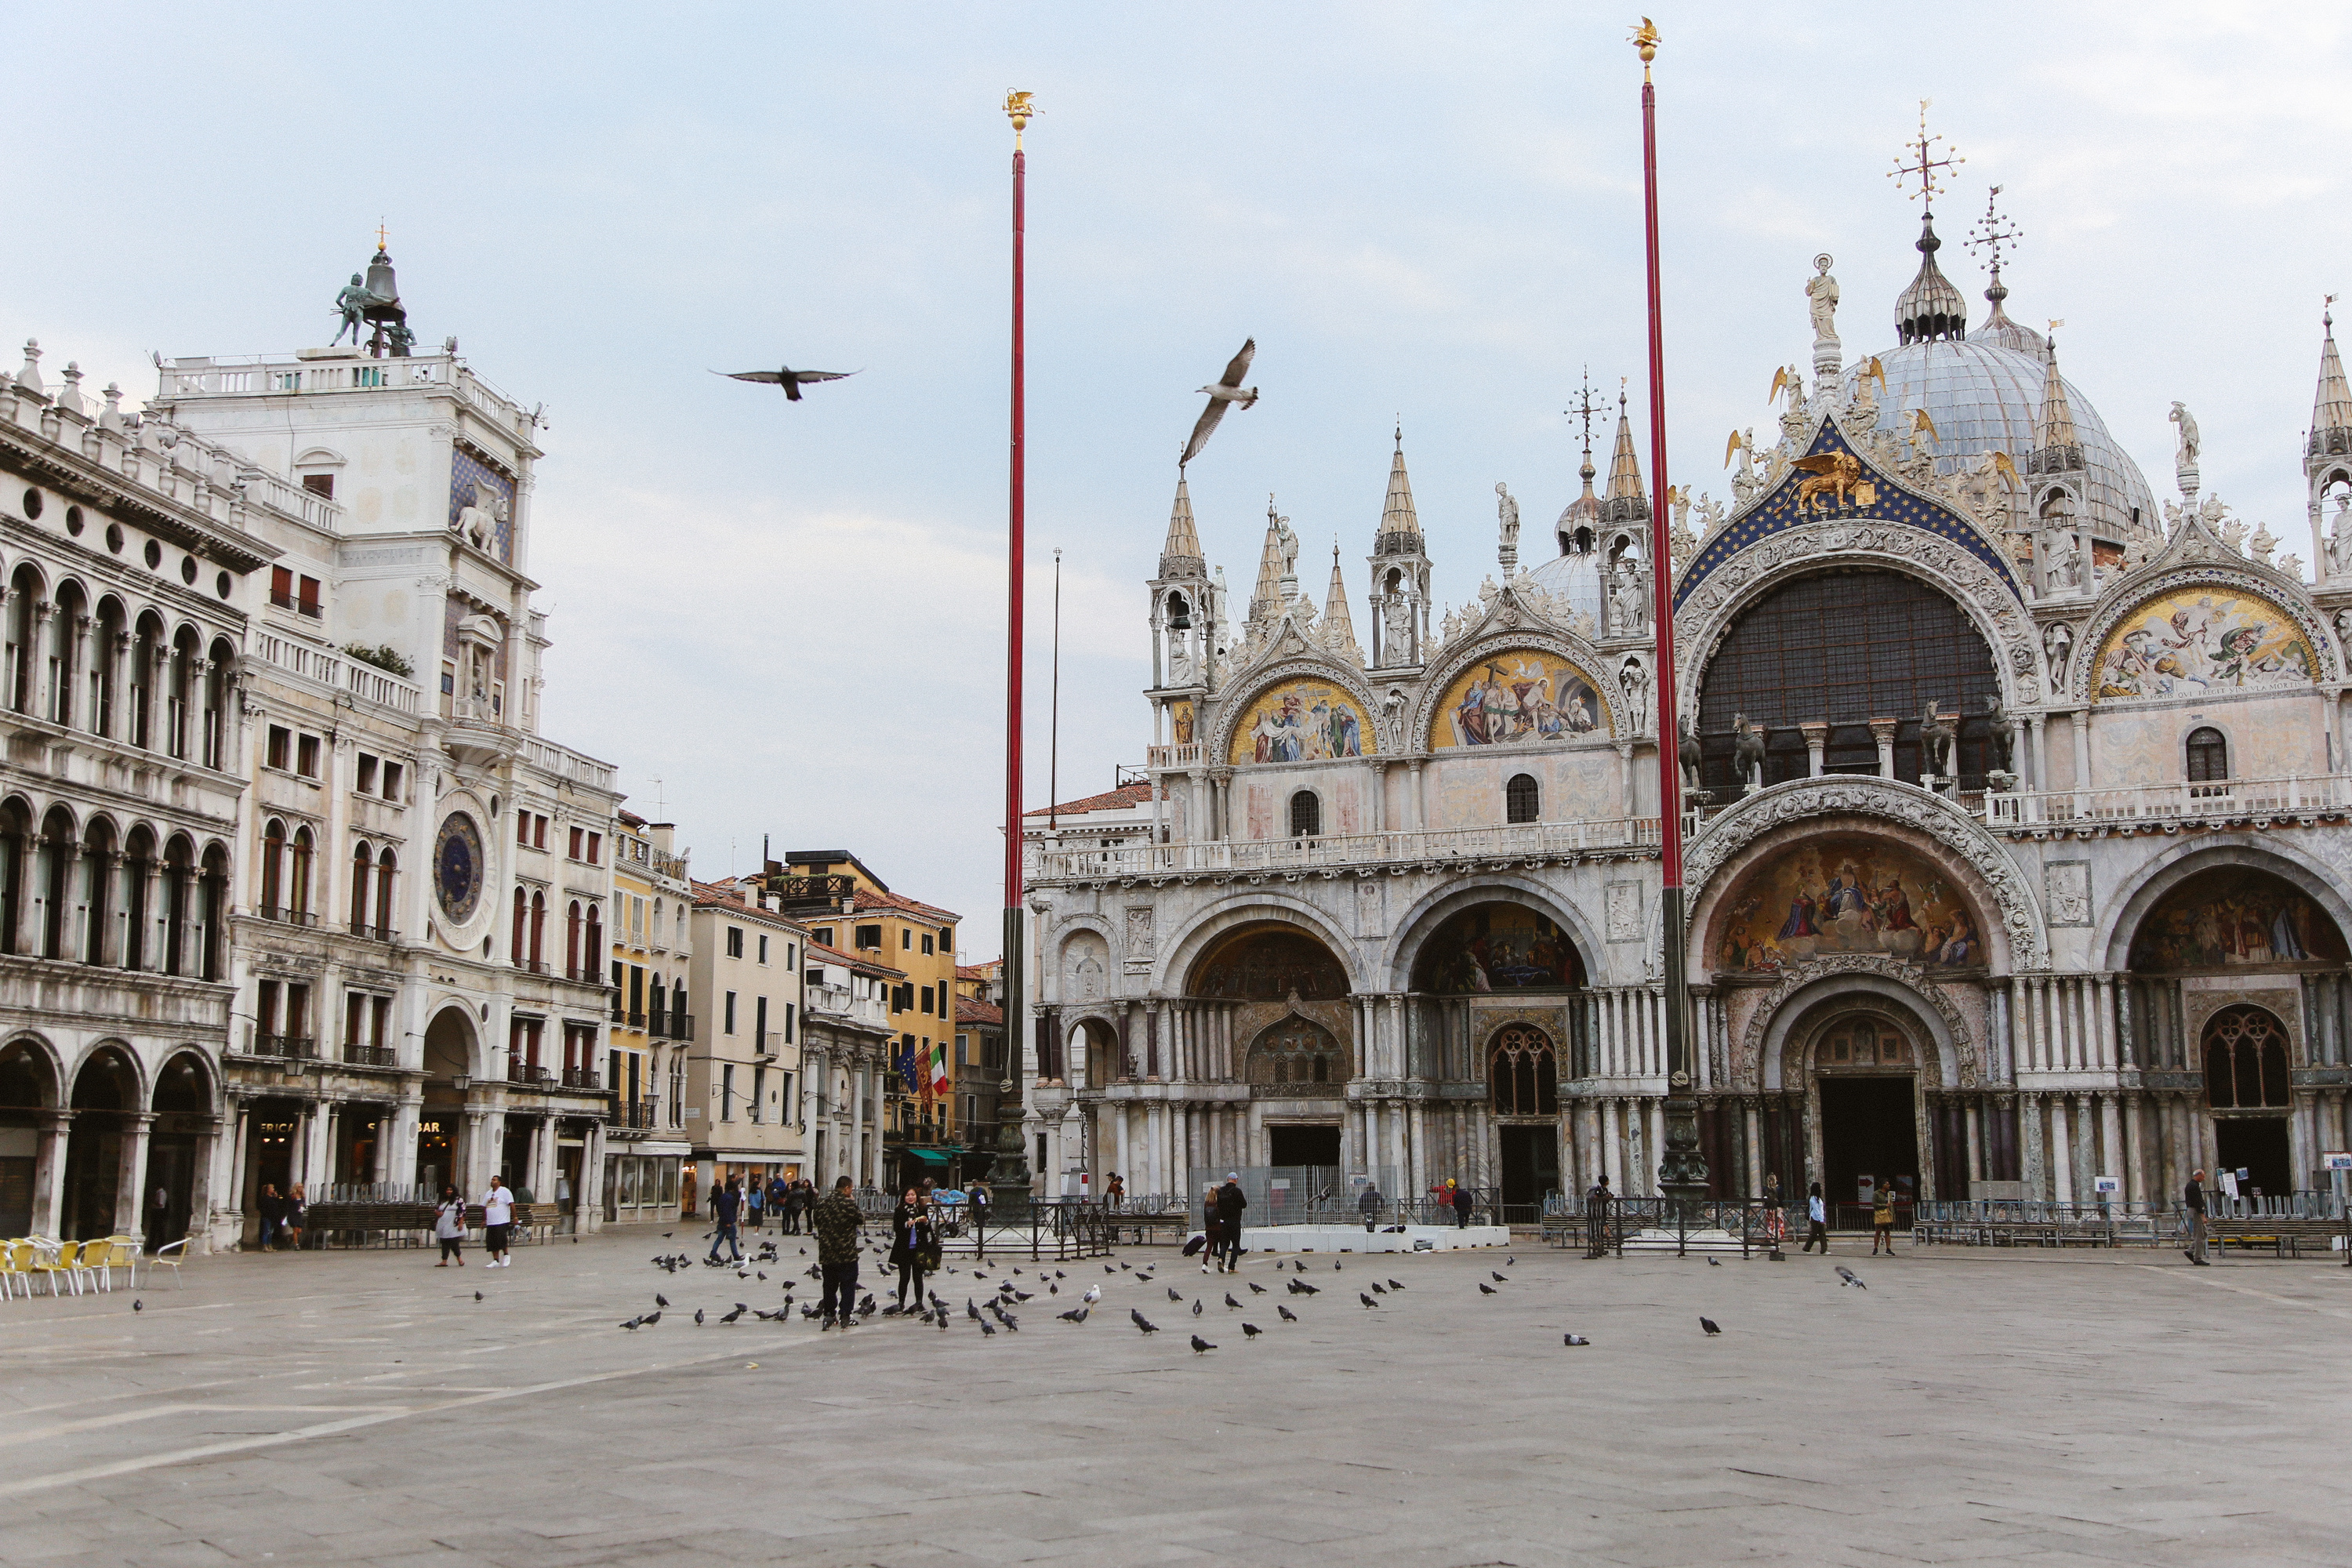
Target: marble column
{"points": [[50, 1173], [1883, 731]]}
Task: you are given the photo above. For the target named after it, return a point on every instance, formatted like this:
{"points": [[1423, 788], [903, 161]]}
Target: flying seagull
{"points": [[1227, 389], [791, 380]]}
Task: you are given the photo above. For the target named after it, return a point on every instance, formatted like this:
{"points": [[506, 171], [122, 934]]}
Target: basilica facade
{"points": [[2016, 805]]}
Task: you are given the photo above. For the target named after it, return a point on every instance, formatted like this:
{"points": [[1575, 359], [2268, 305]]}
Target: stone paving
{"points": [[1969, 1407]]}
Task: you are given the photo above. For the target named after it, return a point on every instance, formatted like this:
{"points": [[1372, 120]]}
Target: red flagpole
{"points": [[1682, 1174]]}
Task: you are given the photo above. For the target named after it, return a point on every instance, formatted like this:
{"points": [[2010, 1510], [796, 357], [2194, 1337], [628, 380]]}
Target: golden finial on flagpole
{"points": [[1646, 38], [1018, 108]]}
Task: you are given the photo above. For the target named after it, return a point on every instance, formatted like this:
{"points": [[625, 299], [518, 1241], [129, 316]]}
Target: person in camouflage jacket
{"points": [[836, 1221]]}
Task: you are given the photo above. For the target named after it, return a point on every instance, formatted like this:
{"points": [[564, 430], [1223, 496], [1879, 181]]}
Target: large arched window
{"points": [[2207, 760], [2245, 1059], [1305, 814], [1523, 1073], [519, 945], [387, 868], [538, 930], [362, 863], [273, 869], [1522, 802], [1845, 647], [298, 878], [572, 941], [594, 956]]}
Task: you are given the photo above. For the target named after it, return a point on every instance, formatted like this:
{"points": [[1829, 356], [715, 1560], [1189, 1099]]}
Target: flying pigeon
{"points": [[1251, 1330], [1709, 1325], [1287, 1315], [791, 380], [1226, 390], [1574, 1340], [1848, 1276], [1200, 1345], [1146, 1324]]}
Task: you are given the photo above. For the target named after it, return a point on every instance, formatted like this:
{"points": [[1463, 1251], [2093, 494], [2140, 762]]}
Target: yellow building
{"points": [[979, 1064], [652, 1021], [846, 906]]}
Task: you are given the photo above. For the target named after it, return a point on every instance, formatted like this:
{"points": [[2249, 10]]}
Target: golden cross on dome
{"points": [[1924, 171], [381, 234]]}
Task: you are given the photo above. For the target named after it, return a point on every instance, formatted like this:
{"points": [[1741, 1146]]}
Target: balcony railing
{"points": [[296, 1047], [287, 917], [634, 1114], [681, 1026], [531, 965], [637, 1020], [366, 933], [580, 1078], [523, 1073], [289, 601], [2221, 800], [359, 1056], [1467, 845]]}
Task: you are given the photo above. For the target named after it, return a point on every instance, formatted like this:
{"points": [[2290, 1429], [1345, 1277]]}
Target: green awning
{"points": [[929, 1156]]}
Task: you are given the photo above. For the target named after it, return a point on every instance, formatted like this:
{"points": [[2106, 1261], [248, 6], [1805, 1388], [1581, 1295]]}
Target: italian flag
{"points": [[940, 1083]]}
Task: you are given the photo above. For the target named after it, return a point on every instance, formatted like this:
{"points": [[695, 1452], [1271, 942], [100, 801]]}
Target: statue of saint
{"points": [[1508, 510], [1822, 299], [1396, 629], [2185, 457]]}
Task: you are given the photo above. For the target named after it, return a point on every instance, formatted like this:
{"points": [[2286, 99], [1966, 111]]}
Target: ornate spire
{"points": [[1338, 628], [1180, 555], [2331, 407], [1930, 307], [1399, 527], [1584, 511], [1624, 468], [1989, 233], [2055, 444], [1275, 584]]}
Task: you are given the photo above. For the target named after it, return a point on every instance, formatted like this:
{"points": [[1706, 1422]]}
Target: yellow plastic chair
{"points": [[89, 1263], [122, 1252], [53, 1259], [16, 1267]]}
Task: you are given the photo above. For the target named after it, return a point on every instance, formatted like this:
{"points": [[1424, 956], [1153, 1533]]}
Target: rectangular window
{"points": [[448, 682], [354, 1016], [962, 1045], [726, 1089], [637, 919], [539, 833], [281, 746], [763, 947], [905, 938], [822, 938], [307, 601], [871, 938], [320, 485], [365, 780], [734, 941], [788, 1010], [731, 1012], [265, 1008], [616, 980], [927, 942], [760, 1024], [305, 756], [522, 828], [579, 835], [595, 847], [927, 1001], [758, 1102], [379, 1020], [792, 955], [392, 773], [785, 1100], [281, 587]]}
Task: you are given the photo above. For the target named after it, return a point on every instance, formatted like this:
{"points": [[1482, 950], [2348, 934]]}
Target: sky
{"points": [[787, 621]]}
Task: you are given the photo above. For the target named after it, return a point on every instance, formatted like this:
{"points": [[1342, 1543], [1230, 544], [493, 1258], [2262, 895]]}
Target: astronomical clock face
{"points": [[457, 867]]}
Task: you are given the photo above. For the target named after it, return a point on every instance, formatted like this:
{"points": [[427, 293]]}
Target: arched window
{"points": [[1523, 1073], [1521, 800], [298, 881], [519, 945], [387, 868], [1305, 814], [2208, 759], [363, 862], [594, 955], [537, 929], [2245, 1059], [273, 869], [572, 941]]}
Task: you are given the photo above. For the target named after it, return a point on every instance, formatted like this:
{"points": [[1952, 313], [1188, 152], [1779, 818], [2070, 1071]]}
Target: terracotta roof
{"points": [[629, 818], [1120, 799], [868, 899], [720, 896], [970, 1012], [976, 971], [820, 954]]}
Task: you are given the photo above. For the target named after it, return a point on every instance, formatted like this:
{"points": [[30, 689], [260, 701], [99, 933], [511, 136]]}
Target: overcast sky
{"points": [[792, 616]]}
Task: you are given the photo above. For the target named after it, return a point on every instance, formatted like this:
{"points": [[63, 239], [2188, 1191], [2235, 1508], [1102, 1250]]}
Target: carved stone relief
{"points": [[2068, 884]]}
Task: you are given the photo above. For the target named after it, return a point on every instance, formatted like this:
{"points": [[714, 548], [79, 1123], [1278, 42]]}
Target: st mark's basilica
{"points": [[2017, 857]]}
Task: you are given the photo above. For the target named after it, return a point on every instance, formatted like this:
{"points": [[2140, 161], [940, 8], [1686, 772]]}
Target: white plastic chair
{"points": [[163, 1257]]}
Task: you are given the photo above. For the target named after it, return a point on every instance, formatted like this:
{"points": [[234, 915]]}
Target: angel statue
{"points": [[1822, 299], [1790, 380]]}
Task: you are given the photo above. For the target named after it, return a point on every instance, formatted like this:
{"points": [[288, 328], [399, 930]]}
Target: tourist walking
{"points": [[1229, 1205], [836, 1221], [1882, 1218], [914, 1236], [1212, 1227], [1817, 1220], [2192, 1199], [1596, 1218], [450, 1227], [271, 1207], [977, 1196], [1113, 1191], [1368, 1205], [498, 1218], [755, 1202], [1461, 1202], [726, 1206], [1775, 1226], [290, 1217]]}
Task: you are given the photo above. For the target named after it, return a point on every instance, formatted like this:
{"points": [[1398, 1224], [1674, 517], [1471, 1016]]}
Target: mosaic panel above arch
{"points": [[1269, 962], [1518, 697], [2203, 640], [1845, 893], [1303, 720], [2230, 916], [1498, 946]]}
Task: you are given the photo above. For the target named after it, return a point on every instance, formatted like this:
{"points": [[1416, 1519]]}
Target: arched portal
{"points": [[2247, 1053], [1523, 1089], [1844, 648], [28, 1093], [1865, 1069], [449, 1071], [183, 1103], [105, 1096]]}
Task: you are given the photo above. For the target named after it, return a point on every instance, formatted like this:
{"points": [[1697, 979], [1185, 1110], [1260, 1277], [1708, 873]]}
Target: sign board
{"points": [[1866, 1188], [1279, 1184], [2107, 1185], [694, 1113], [2339, 1161]]}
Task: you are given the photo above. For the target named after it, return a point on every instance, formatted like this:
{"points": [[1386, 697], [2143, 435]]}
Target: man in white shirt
{"points": [[498, 1214]]}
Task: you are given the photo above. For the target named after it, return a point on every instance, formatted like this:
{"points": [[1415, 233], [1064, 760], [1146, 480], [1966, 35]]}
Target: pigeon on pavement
{"points": [[1287, 1315], [1848, 1276], [1076, 1315], [1709, 1325], [1366, 1300], [1200, 1345], [1146, 1324], [1484, 1288], [1574, 1340]]}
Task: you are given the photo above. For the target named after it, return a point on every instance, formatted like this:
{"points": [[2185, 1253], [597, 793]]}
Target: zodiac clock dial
{"points": [[458, 868]]}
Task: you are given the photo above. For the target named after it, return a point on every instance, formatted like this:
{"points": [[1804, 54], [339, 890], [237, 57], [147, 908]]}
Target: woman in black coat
{"points": [[914, 1240]]}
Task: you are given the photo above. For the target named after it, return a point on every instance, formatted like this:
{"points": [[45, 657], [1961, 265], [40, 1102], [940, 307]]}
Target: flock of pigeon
{"points": [[995, 1305]]}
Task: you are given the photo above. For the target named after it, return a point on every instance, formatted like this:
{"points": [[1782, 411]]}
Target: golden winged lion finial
{"points": [[1646, 38], [1018, 108]]}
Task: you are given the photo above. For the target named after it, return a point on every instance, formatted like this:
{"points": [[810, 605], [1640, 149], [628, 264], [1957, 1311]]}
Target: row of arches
{"points": [[86, 1188], [102, 667], [584, 935], [89, 892]]}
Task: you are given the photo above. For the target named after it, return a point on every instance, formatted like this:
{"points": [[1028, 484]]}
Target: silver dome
{"points": [[1985, 397], [1575, 578]]}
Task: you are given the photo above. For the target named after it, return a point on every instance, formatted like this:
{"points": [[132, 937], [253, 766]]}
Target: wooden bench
{"points": [[2285, 1238], [411, 1225]]}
